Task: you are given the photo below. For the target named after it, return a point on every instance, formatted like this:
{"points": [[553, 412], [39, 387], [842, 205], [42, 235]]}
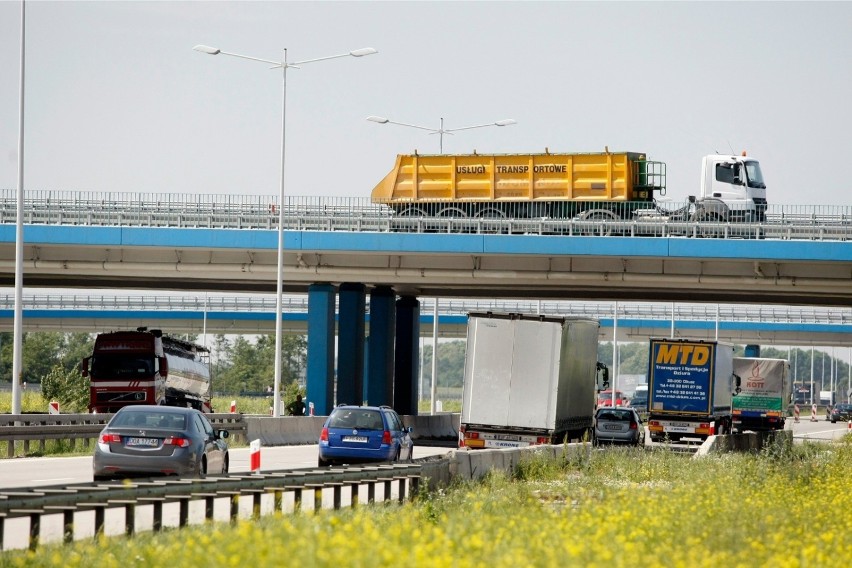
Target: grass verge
{"points": [[612, 508]]}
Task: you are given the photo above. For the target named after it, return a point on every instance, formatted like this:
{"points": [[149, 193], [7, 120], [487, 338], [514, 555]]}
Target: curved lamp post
{"points": [[284, 65], [441, 130]]}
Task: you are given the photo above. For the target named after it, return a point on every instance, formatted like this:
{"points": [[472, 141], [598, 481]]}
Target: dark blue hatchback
{"points": [[358, 434]]}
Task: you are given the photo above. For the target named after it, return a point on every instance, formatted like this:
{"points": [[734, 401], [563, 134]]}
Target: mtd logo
{"points": [[683, 354]]}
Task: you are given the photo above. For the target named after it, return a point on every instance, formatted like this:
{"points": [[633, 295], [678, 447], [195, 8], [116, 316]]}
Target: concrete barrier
{"points": [[284, 430], [746, 442]]}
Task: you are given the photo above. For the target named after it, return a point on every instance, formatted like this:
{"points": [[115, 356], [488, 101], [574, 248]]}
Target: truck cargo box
{"points": [[529, 372], [765, 392], [621, 176], [690, 385]]}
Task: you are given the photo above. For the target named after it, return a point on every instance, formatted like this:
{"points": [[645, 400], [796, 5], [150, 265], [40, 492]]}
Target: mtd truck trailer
{"points": [[691, 386]]}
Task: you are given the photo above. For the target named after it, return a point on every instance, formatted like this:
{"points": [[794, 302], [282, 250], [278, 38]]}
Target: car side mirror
{"points": [[222, 434], [410, 429]]}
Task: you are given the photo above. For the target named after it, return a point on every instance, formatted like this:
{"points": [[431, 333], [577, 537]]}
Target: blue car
{"points": [[359, 434]]}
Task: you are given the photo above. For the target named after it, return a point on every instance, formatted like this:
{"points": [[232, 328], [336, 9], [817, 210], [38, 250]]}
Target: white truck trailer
{"points": [[528, 380]]}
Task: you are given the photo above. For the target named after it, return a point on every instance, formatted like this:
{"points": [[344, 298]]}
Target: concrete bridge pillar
{"points": [[350, 343], [407, 357], [320, 369], [378, 386]]}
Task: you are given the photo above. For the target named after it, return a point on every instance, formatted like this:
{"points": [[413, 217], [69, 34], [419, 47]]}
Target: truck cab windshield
{"points": [[754, 177], [121, 366]]}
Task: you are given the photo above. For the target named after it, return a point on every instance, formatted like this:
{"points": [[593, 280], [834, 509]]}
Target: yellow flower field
{"points": [[608, 508]]}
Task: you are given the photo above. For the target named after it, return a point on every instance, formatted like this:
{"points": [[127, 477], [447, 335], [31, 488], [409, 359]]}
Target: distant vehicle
{"points": [[639, 400], [802, 393], [145, 367], [618, 426], [159, 440], [842, 412], [358, 434], [605, 398]]}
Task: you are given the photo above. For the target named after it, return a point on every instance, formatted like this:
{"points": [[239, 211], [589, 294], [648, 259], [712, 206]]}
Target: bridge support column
{"points": [[407, 356], [378, 388], [320, 370], [350, 343]]}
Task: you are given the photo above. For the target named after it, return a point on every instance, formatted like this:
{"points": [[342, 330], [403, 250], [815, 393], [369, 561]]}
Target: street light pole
{"points": [[18, 329], [279, 282], [440, 131]]}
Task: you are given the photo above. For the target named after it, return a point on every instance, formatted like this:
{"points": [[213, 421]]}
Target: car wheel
{"points": [[322, 463], [834, 421], [226, 464], [100, 478], [201, 468], [411, 454]]}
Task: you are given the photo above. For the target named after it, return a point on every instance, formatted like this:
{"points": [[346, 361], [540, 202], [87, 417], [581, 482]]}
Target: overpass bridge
{"points": [[801, 255], [340, 252]]}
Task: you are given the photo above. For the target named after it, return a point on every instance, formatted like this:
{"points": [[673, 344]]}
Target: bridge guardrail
{"points": [[825, 222]]}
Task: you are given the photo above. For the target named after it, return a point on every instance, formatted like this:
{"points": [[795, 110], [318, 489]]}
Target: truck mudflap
{"points": [[473, 437]]}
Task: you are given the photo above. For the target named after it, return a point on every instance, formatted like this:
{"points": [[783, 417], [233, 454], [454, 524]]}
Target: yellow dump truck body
{"points": [[595, 177]]}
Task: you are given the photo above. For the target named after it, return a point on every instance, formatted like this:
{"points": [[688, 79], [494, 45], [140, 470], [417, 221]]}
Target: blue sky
{"points": [[117, 100]]}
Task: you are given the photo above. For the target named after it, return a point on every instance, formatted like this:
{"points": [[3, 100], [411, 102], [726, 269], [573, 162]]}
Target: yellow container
{"points": [[515, 178]]}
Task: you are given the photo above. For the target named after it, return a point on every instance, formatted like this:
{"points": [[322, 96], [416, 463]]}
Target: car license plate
{"points": [[359, 439], [612, 427], [146, 442]]}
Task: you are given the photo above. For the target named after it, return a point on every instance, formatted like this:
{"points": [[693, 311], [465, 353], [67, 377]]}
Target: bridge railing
{"points": [[446, 307], [308, 213]]}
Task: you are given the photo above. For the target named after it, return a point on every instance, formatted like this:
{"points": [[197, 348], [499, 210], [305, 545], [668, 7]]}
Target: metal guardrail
{"points": [[816, 222], [26, 428], [36, 502], [446, 307]]}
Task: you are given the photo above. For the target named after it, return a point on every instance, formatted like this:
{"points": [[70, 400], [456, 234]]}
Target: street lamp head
{"points": [[362, 52], [379, 119], [505, 122], [207, 49]]}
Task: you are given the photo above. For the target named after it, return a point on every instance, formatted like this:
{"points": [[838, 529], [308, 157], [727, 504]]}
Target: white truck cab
{"points": [[736, 182]]}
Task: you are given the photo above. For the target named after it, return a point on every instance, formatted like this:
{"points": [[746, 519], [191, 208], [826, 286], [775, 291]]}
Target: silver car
{"points": [[159, 440], [620, 425]]}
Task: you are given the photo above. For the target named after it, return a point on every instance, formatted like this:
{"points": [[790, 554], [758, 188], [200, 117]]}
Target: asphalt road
{"points": [[32, 472]]}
